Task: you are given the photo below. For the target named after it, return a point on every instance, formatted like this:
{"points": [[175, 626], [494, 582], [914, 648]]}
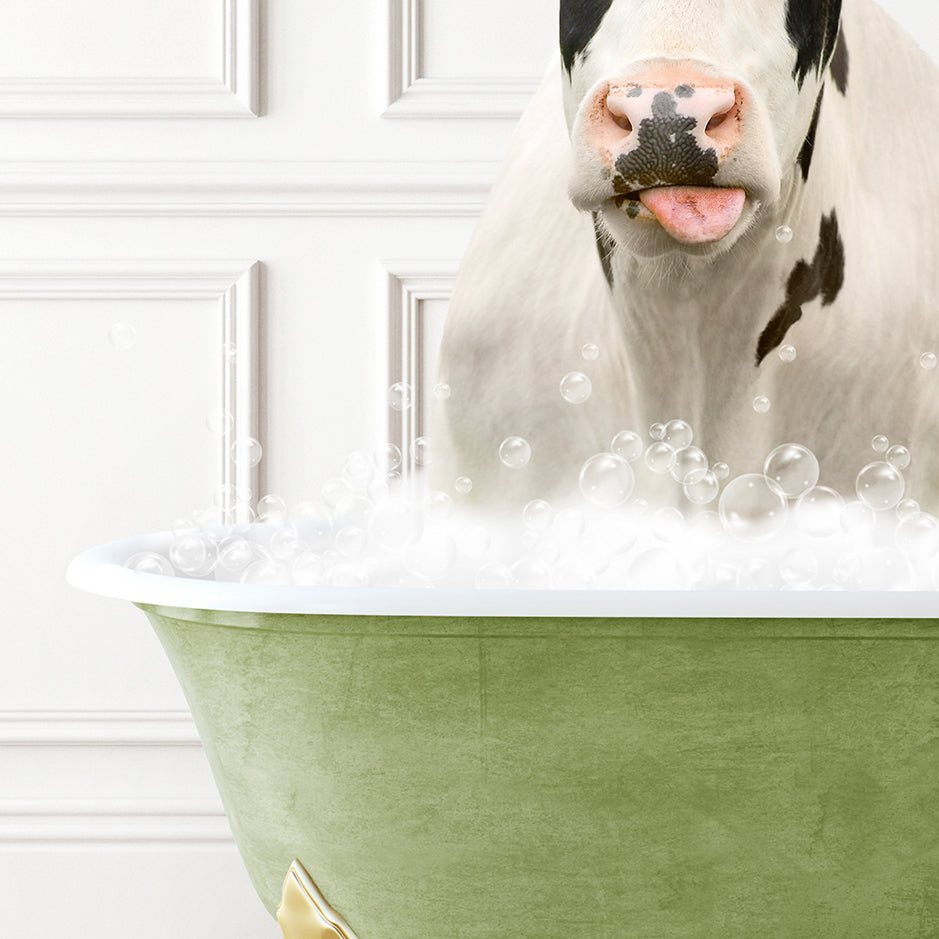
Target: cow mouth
{"points": [[690, 214]]}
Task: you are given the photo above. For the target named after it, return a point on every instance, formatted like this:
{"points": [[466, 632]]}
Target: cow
{"points": [[732, 208]]}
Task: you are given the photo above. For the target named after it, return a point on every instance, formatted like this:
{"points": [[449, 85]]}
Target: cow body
{"points": [[839, 144]]}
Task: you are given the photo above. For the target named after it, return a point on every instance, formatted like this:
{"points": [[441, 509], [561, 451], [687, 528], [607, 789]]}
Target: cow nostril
{"points": [[622, 121], [716, 122]]}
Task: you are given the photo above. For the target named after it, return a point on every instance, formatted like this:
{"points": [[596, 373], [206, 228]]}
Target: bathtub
{"points": [[545, 764]]}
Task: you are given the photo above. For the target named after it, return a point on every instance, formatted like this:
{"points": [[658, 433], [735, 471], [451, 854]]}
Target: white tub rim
{"points": [[100, 570]]}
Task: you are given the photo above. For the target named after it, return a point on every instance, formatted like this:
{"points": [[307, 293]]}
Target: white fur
{"points": [[678, 335]]}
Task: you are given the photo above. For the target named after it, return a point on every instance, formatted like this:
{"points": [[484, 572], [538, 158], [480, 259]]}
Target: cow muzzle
{"points": [[658, 145]]}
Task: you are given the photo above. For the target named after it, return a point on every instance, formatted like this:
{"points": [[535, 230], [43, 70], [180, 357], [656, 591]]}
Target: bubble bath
{"points": [[776, 530]]}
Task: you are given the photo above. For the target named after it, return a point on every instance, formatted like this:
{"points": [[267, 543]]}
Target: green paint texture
{"points": [[540, 778]]}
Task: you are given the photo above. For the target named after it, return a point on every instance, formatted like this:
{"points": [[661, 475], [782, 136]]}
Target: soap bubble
{"points": [[880, 485], [351, 541], [183, 524], [441, 391], [628, 445], [568, 526], [395, 524], [761, 404], [606, 480], [358, 469], [531, 574], [438, 506], [286, 543], [668, 524], [150, 562], [122, 335], [657, 569], [388, 458], [678, 434], [265, 572], [898, 456], [858, 518], [353, 508], [400, 396], [701, 486], [758, 574], [884, 569], [880, 443], [515, 452], [687, 460], [272, 508], [906, 507], [787, 353], [246, 451], [313, 520], [235, 554], [475, 541], [752, 507], [798, 567], [309, 570], [575, 387], [348, 576], [537, 514], [335, 490], [928, 360], [434, 555], [590, 351], [190, 553], [818, 511], [463, 485], [784, 234], [659, 457], [220, 422], [918, 535], [420, 451], [791, 469], [657, 432], [720, 470], [493, 576]]}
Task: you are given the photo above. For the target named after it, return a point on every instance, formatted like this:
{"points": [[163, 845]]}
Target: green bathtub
{"points": [[549, 774]]}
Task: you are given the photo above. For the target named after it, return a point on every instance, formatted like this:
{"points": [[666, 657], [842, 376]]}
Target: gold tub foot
{"points": [[304, 913]]}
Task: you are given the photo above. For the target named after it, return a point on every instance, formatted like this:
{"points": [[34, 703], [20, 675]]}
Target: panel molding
{"points": [[233, 285], [234, 93], [62, 820], [50, 823], [410, 284], [248, 189], [96, 728], [411, 94]]}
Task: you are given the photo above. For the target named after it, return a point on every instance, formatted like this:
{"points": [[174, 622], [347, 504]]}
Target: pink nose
{"points": [[667, 117]]}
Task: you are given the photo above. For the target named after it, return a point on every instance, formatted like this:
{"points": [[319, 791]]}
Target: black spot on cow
{"points": [[580, 19], [813, 30], [839, 63], [822, 278], [684, 91], [667, 152], [634, 92], [804, 159], [605, 246]]}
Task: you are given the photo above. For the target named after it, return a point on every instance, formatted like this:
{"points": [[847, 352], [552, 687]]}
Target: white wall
{"points": [[303, 177]]}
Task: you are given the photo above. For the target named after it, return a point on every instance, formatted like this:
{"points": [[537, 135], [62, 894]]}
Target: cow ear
{"points": [[813, 27], [579, 22]]}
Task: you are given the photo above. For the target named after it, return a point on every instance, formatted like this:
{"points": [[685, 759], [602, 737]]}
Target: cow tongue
{"points": [[694, 214]]}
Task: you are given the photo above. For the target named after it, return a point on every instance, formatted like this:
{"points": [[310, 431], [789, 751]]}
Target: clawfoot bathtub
{"points": [[538, 765]]}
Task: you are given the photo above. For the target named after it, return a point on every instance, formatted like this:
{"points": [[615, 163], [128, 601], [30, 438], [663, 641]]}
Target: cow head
{"points": [[688, 117]]}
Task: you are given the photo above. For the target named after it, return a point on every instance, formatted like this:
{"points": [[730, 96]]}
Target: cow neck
{"points": [[690, 331]]}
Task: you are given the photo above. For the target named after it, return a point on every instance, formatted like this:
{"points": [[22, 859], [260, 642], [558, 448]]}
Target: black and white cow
{"points": [[639, 211]]}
